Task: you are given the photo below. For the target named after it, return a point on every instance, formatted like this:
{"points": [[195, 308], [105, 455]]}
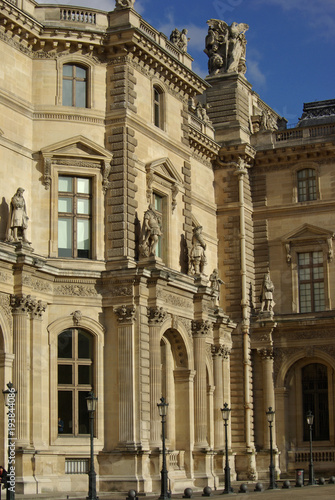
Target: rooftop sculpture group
{"points": [[226, 47]]}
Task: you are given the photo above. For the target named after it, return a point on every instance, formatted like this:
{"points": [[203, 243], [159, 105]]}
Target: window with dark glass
{"points": [[74, 217], [74, 86], [75, 365], [315, 399], [311, 282], [158, 107], [306, 185]]}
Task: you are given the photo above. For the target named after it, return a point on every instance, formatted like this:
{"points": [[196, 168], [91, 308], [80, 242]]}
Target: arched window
{"points": [[158, 107], [315, 398], [75, 380], [307, 184], [74, 86]]}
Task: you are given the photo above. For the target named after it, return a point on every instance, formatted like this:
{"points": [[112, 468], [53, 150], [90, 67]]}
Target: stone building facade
{"points": [[161, 235]]}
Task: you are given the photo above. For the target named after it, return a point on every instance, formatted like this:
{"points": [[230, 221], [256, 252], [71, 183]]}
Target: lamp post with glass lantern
{"points": [[225, 416], [10, 495], [270, 416], [92, 487], [310, 420], [162, 407]]}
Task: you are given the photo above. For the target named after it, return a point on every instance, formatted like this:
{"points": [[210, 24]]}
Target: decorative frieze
{"points": [[76, 289], [36, 284]]}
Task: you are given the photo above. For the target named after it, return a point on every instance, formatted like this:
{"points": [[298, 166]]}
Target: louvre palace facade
{"points": [[161, 235]]}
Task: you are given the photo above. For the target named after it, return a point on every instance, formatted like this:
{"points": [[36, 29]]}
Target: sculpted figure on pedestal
{"points": [[216, 283], [267, 294], [124, 4], [18, 218], [151, 232], [179, 38], [197, 254], [226, 47]]}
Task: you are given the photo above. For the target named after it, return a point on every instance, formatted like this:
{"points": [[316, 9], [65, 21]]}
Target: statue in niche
{"points": [[18, 218], [216, 283], [226, 47], [266, 297], [152, 230], [124, 4], [197, 254], [179, 38], [201, 111]]}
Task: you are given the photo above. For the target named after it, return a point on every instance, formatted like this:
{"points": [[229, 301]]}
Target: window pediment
{"points": [[163, 173], [306, 235], [77, 151]]}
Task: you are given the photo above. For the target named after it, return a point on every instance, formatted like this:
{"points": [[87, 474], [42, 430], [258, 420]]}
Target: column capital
{"points": [[220, 350], [125, 314], [19, 303], [156, 315], [266, 353], [36, 307], [200, 328]]}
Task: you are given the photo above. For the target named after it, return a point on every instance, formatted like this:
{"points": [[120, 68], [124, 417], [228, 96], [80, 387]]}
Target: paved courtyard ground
{"points": [[324, 492]]}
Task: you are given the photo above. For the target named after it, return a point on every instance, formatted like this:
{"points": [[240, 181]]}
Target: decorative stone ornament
{"points": [[226, 47], [152, 230], [18, 219], [124, 4]]}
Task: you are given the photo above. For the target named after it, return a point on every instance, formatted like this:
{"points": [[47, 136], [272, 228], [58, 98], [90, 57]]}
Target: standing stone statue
{"points": [[18, 218], [216, 283], [152, 230], [179, 38], [226, 47], [197, 254], [124, 4], [266, 297]]}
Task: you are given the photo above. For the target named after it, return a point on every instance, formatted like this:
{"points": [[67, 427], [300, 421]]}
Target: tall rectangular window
{"points": [[74, 86], [311, 282], [74, 217], [306, 184]]}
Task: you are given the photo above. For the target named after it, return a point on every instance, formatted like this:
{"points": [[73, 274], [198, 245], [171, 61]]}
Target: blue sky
{"points": [[290, 43]]}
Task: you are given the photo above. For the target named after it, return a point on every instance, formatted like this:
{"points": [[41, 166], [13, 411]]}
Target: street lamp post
{"points": [[225, 415], [92, 486], [310, 420], [9, 395], [162, 407], [270, 416]]}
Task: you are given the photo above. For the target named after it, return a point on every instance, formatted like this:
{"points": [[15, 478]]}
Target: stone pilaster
{"points": [[21, 366], [268, 391], [39, 366], [200, 330], [126, 320], [156, 316], [217, 352]]}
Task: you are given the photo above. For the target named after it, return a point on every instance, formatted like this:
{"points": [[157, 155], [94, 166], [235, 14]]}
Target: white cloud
{"points": [[254, 73]]}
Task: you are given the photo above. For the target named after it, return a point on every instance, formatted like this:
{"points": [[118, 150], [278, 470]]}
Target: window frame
{"points": [[74, 195], [308, 248], [311, 281], [75, 387], [295, 171], [308, 180], [158, 106], [75, 80], [97, 331], [97, 207], [80, 61]]}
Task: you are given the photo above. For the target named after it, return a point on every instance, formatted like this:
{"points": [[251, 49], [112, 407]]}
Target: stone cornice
{"points": [[202, 144], [284, 156]]}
